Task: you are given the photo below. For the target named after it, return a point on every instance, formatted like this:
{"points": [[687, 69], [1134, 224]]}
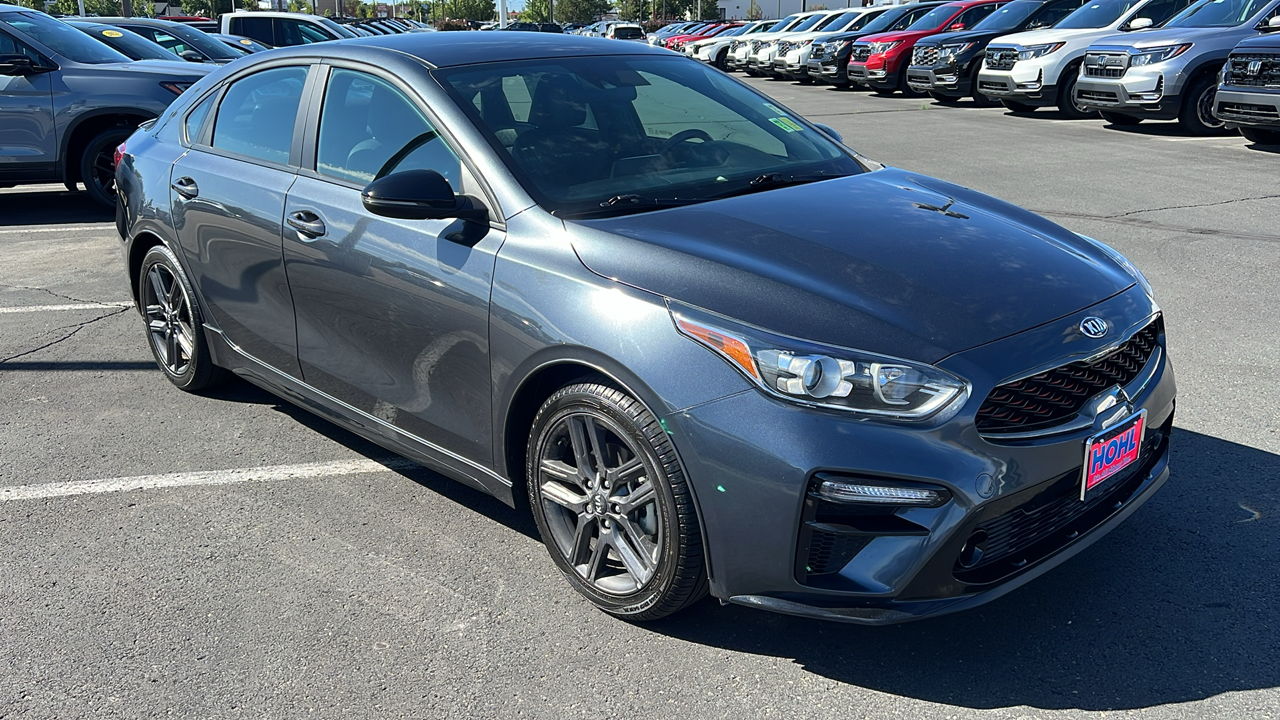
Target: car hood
{"points": [[1166, 36], [1049, 35], [899, 35], [963, 36], [173, 70], [867, 261], [1270, 40]]}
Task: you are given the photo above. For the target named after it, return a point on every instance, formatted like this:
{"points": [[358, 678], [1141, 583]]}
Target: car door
{"points": [[393, 315], [28, 140], [228, 194]]}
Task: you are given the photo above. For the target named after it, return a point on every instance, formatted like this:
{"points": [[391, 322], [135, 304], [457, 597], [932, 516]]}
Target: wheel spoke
{"points": [[627, 472], [637, 562], [581, 450], [157, 287], [171, 350], [175, 297], [598, 554], [185, 342], [561, 472], [156, 326], [640, 497], [580, 549], [561, 495]]}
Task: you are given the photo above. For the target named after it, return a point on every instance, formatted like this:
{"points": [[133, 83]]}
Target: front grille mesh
{"points": [[1266, 73], [860, 53], [1001, 58], [1105, 65], [1248, 111], [925, 55], [819, 52], [1098, 96], [1056, 396], [829, 552]]}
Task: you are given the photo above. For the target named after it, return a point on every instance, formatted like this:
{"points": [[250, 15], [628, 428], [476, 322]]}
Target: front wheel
{"points": [[1259, 136], [1120, 119], [1197, 115], [612, 504], [174, 325], [1068, 104], [98, 165]]}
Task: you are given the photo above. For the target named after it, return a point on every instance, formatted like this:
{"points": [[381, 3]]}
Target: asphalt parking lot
{"points": [[233, 556]]}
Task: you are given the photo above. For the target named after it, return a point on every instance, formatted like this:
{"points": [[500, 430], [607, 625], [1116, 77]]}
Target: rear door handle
{"points": [[307, 223], [186, 187]]}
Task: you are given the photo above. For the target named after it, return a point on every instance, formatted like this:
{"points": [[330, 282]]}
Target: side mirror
{"points": [[17, 64], [830, 131], [1273, 24], [191, 56], [1141, 23], [955, 26], [419, 195]]}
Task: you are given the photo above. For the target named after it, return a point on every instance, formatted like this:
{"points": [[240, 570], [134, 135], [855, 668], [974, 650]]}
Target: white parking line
{"points": [[76, 306], [26, 229], [269, 473]]}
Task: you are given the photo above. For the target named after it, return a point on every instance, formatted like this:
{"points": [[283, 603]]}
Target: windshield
{"points": [[1218, 13], [934, 18], [63, 39], [209, 47], [835, 21], [863, 20], [1009, 16], [1098, 14], [782, 24], [131, 44], [616, 134], [887, 20], [808, 23]]}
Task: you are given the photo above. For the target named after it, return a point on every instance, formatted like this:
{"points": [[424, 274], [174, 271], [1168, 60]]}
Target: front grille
{"points": [[1248, 111], [1001, 58], [1105, 65], [736, 44], [818, 52], [829, 552], [1102, 96], [755, 45], [1056, 396], [992, 86], [1026, 533], [860, 53], [784, 47], [926, 55], [1254, 70]]}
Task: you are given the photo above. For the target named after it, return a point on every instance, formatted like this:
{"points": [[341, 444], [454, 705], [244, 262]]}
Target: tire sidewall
{"points": [[109, 139], [577, 399], [199, 372]]}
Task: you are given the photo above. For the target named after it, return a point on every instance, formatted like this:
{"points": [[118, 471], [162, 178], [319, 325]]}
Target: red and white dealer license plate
{"points": [[1111, 451]]}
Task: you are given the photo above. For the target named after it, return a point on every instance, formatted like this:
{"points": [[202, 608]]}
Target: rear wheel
{"points": [[1015, 106], [612, 504], [1115, 118], [1197, 108], [98, 165], [1068, 104], [174, 325], [1259, 136]]}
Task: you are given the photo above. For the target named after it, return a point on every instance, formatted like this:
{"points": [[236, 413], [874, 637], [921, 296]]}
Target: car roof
{"points": [[138, 21], [469, 48]]}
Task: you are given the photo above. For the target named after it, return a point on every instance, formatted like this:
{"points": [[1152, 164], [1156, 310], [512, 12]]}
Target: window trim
{"points": [[310, 140]]}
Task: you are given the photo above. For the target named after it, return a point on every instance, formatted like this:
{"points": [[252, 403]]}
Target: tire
{"points": [[720, 60], [1260, 136], [97, 165], [173, 324], [1120, 119], [978, 98], [903, 86], [652, 563], [1017, 107], [1196, 116], [1067, 104], [944, 99]]}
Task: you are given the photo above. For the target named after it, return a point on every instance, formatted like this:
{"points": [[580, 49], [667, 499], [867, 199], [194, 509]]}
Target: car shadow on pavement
{"points": [[1177, 604], [20, 206]]}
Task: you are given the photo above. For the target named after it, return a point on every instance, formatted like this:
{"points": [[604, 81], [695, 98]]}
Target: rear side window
{"points": [[195, 119], [257, 114], [291, 32], [258, 28]]}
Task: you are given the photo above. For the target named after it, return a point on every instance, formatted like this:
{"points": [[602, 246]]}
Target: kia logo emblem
{"points": [[1094, 327]]}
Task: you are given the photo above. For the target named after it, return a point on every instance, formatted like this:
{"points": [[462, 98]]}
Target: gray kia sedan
{"points": [[708, 346]]}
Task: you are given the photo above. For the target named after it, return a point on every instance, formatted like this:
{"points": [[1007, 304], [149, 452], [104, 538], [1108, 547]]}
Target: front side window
{"points": [[369, 129], [258, 112], [618, 130], [1096, 14], [63, 39], [1218, 13], [9, 46]]}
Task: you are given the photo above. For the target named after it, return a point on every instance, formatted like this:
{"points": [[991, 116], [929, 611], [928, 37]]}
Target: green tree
{"points": [[633, 9], [581, 11], [754, 12], [536, 11], [108, 8]]}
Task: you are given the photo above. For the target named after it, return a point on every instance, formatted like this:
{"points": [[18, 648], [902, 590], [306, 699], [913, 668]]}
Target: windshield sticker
{"points": [[246, 42], [787, 124], [775, 108], [112, 33]]}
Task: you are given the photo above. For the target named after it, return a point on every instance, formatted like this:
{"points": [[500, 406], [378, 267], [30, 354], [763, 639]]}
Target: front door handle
{"points": [[307, 223], [186, 187]]}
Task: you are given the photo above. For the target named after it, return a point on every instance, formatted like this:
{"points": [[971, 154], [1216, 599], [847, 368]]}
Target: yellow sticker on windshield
{"points": [[112, 33], [246, 42], [786, 124]]}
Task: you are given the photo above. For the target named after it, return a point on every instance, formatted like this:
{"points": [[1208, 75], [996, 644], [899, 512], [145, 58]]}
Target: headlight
{"points": [[824, 376], [948, 53], [1035, 51], [843, 44], [1123, 262], [884, 47], [1158, 55]]}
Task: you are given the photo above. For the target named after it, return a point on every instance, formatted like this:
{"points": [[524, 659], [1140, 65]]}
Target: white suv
{"points": [[715, 50], [1040, 68], [791, 54]]}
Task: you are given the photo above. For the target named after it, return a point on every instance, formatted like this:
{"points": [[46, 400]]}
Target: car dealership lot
{"points": [[339, 586]]}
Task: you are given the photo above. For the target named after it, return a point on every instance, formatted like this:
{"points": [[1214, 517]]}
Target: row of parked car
{"points": [[1212, 65], [72, 89]]}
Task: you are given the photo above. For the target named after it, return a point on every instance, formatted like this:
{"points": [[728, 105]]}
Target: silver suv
{"points": [[1249, 96], [67, 101], [1171, 72]]}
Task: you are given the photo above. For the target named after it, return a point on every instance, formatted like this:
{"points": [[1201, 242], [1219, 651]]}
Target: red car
{"points": [[880, 61], [704, 34], [677, 41]]}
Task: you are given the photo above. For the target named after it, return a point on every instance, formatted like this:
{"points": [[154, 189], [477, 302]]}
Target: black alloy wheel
{"points": [[612, 504], [1197, 115], [1119, 119], [173, 322], [98, 165], [1068, 104], [1017, 107], [721, 60]]}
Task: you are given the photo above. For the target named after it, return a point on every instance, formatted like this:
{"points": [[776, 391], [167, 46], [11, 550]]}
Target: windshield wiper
{"points": [[622, 205], [772, 181]]}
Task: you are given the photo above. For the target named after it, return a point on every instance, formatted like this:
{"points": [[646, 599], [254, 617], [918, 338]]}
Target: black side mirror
{"points": [[191, 56], [419, 195], [18, 64]]}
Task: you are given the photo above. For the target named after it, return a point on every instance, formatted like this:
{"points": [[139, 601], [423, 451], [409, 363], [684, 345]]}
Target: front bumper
{"points": [[827, 71], [1012, 85], [907, 565], [1148, 92], [1248, 107], [792, 65], [872, 75], [942, 79]]}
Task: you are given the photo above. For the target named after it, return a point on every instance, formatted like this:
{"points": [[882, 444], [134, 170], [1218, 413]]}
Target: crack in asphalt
{"points": [[55, 294], [74, 329], [1197, 205], [1124, 219]]}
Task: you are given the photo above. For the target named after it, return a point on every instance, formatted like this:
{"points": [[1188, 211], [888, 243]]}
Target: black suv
{"points": [[946, 66]]}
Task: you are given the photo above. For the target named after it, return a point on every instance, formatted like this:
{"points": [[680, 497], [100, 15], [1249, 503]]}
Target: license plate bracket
{"points": [[1111, 451]]}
